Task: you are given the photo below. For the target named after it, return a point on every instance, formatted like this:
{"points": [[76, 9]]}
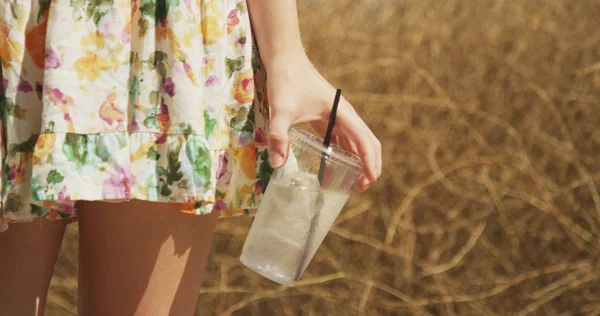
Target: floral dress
{"points": [[114, 100]]}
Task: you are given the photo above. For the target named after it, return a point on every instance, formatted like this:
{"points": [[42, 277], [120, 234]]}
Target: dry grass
{"points": [[489, 113]]}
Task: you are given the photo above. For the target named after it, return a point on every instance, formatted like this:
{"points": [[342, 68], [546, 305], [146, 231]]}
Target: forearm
{"points": [[275, 26]]}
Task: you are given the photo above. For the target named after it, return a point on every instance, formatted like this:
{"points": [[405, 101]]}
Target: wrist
{"points": [[284, 60]]}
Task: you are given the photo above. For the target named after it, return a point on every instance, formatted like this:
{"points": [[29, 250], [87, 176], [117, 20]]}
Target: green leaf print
{"points": [[63, 215], [153, 111], [155, 58], [76, 3], [209, 123], [232, 65], [90, 9], [153, 154], [148, 8], [12, 203], [156, 9], [134, 89], [183, 184], [37, 210], [75, 148], [155, 97], [151, 121], [202, 163], [241, 7], [44, 7], [18, 11], [12, 109], [5, 177], [54, 177], [143, 25], [173, 174], [98, 16], [165, 191], [161, 69], [24, 147], [249, 122], [93, 10], [39, 90], [162, 10], [239, 119], [264, 170]]}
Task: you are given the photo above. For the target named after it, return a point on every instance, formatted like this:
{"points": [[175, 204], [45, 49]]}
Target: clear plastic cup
{"points": [[297, 211]]}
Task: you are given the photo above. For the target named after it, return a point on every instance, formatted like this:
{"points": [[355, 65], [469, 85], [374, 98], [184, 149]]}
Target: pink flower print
{"points": [[118, 185], [53, 59], [258, 188], [24, 86], [259, 137], [243, 138], [212, 80], [133, 125], [220, 205], [62, 194], [4, 85], [232, 18], [126, 34], [169, 87], [222, 169], [161, 139]]}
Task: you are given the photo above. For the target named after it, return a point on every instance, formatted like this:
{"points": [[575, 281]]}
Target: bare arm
{"points": [[299, 94], [275, 23]]}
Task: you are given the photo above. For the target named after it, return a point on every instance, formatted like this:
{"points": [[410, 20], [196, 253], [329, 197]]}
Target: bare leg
{"points": [[28, 252], [141, 258]]}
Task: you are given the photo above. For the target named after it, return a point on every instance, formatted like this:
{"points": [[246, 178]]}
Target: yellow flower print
{"points": [[243, 88], [9, 50], [93, 40], [176, 47], [143, 150], [208, 66], [90, 66], [212, 29], [245, 158], [43, 146], [248, 189], [109, 112]]}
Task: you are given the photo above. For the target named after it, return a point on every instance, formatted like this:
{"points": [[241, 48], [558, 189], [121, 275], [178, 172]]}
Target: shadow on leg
{"points": [[141, 258], [28, 252]]}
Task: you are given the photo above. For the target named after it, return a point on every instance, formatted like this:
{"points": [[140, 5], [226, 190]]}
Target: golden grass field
{"points": [[488, 111]]}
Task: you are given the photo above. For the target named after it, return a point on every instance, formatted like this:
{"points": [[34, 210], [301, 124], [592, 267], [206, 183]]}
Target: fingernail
{"points": [[276, 159]]}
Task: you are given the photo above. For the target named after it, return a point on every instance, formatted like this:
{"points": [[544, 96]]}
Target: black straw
{"points": [[327, 140]]}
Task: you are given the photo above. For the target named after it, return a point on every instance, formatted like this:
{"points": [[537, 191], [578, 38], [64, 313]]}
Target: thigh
{"points": [[28, 252], [141, 258]]}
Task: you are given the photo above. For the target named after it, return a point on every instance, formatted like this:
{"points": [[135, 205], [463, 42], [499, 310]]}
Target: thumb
{"points": [[278, 140]]}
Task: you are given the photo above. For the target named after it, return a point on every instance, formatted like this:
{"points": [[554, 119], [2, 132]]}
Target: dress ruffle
{"points": [[114, 100]]}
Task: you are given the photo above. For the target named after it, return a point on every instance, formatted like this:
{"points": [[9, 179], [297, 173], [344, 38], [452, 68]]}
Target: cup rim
{"points": [[337, 154]]}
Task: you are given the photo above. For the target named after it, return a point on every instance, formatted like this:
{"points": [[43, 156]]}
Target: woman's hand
{"points": [[299, 94]]}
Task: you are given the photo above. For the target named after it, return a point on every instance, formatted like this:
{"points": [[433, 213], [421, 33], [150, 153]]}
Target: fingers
{"points": [[363, 183], [278, 139], [366, 144]]}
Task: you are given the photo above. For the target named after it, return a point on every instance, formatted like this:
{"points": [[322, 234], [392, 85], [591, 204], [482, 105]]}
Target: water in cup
{"points": [[297, 210], [284, 238]]}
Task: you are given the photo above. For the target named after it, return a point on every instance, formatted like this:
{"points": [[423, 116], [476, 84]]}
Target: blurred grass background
{"points": [[488, 112]]}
